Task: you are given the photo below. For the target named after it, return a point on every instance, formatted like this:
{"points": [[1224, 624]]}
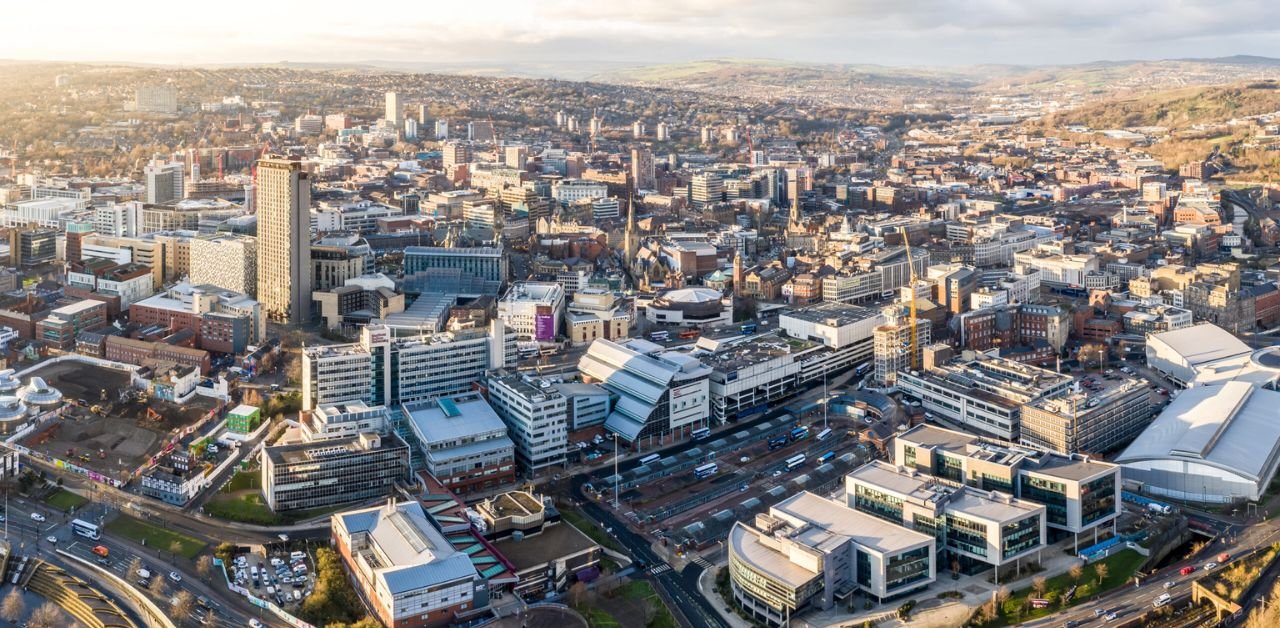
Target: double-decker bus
{"points": [[795, 461], [705, 471], [825, 458], [85, 529], [649, 459], [799, 433]]}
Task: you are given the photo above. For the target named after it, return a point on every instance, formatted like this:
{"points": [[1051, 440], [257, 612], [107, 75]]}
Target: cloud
{"points": [[843, 31]]}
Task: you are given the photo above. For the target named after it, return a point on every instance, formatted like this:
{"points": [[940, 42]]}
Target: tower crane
{"points": [[911, 267]]}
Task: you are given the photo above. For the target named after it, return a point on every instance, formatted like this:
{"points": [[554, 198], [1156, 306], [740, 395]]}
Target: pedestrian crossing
{"points": [[663, 568], [701, 562]]}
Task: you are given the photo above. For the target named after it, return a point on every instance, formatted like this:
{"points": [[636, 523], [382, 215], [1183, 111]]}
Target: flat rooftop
{"points": [[832, 313], [554, 542], [833, 523]]}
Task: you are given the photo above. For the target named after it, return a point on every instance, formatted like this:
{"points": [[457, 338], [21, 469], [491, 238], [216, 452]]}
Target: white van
{"points": [[297, 556]]}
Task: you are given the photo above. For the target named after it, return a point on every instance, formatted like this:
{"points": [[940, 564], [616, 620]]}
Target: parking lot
{"points": [[284, 577]]}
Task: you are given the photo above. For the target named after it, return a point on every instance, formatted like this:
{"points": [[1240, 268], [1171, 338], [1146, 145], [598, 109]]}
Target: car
{"points": [[51, 539], [105, 562], [1209, 566], [1099, 612], [253, 623], [286, 579], [175, 576], [276, 562], [743, 488], [1112, 616], [35, 516], [1170, 584]]}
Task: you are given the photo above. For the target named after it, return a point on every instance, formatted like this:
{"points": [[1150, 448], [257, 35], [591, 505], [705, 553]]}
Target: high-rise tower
{"points": [[283, 197]]}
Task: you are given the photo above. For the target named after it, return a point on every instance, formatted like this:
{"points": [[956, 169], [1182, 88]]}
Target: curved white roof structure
{"points": [[9, 384], [38, 393], [692, 295], [12, 409], [1213, 443]]}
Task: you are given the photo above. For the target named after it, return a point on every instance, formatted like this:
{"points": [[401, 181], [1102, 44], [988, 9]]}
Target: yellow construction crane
{"points": [[915, 366]]}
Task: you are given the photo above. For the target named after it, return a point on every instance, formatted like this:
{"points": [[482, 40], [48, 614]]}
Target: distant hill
{"points": [[1179, 109]]}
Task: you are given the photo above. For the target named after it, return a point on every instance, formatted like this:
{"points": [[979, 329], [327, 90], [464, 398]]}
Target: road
{"points": [[1129, 601], [680, 588], [31, 537]]}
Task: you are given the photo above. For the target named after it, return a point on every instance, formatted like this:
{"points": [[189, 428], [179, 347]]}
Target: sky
{"points": [[890, 32]]}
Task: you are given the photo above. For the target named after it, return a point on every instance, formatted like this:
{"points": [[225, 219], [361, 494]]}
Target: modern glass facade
{"points": [[1048, 492], [1020, 536], [864, 569], [906, 568], [1097, 500], [876, 503], [949, 467], [966, 536]]}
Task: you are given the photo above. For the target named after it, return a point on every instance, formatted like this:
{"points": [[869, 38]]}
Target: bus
{"points": [[660, 336], [649, 459], [777, 442], [85, 529], [862, 369], [825, 458], [795, 461], [690, 333], [701, 433], [705, 471], [799, 433], [824, 433], [749, 328]]}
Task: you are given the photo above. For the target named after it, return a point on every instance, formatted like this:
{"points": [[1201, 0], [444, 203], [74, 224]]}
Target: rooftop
{"points": [[406, 551], [833, 313], [1203, 343], [449, 419], [1231, 426], [554, 542]]}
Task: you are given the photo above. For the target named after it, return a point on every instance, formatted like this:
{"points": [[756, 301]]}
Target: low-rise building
{"points": [[694, 306], [1095, 421], [1079, 493], [661, 393], [536, 415], [984, 394], [533, 309], [975, 529], [60, 328], [305, 476], [461, 442], [407, 571], [548, 554], [812, 552]]}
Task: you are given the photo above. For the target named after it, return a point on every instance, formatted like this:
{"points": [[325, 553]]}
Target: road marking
{"points": [[702, 562], [663, 568]]}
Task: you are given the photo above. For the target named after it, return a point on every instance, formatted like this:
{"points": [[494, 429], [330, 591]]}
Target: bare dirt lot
{"points": [[120, 435]]}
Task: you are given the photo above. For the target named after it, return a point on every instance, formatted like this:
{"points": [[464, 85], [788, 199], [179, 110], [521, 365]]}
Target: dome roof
{"points": [[692, 295]]}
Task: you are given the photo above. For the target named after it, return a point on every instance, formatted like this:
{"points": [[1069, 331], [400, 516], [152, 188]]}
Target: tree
{"points": [[157, 586], [1038, 585], [13, 606], [1101, 570], [135, 566], [175, 548], [1076, 572], [204, 566], [183, 604], [47, 615]]}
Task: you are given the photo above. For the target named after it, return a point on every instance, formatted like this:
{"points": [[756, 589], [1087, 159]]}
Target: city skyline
{"points": [[500, 32]]}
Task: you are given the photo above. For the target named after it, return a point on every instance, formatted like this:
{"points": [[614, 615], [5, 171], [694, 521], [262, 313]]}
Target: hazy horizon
{"points": [[508, 33]]}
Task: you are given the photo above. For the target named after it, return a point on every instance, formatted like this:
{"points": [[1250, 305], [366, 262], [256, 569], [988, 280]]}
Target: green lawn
{"points": [[245, 508], [589, 528], [1120, 568], [65, 500], [241, 481], [154, 536], [597, 618], [643, 590]]}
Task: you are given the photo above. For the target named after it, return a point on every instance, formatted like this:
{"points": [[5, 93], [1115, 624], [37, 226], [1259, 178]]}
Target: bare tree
{"points": [[204, 566], [1076, 571], [1101, 570], [183, 604], [157, 586], [47, 615], [13, 606], [1038, 585]]}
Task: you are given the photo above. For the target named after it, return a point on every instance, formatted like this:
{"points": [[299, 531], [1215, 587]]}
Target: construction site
{"points": [[107, 425]]}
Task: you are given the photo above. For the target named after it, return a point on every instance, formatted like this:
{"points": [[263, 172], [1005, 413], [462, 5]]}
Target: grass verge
{"points": [[65, 500], [155, 537], [589, 528], [1119, 569]]}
